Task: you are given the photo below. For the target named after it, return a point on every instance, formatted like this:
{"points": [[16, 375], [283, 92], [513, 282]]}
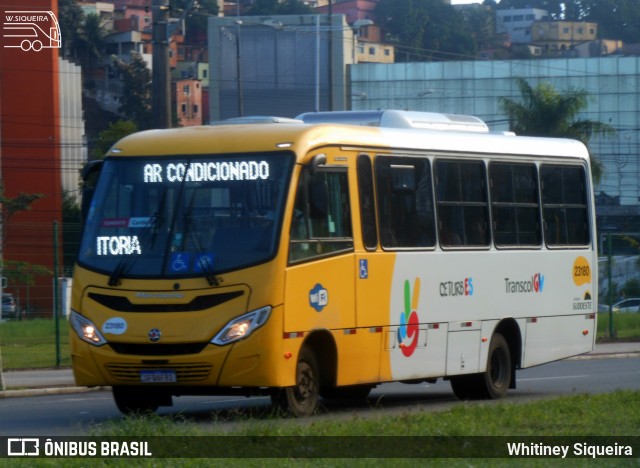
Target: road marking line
{"points": [[555, 378]]}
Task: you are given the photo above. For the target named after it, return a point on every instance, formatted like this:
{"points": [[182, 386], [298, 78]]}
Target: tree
{"points": [[71, 18], [617, 19], [404, 25], [90, 40], [108, 137], [23, 274], [481, 22], [426, 30], [11, 206], [544, 111], [135, 102], [274, 7], [71, 229], [631, 288], [196, 17]]}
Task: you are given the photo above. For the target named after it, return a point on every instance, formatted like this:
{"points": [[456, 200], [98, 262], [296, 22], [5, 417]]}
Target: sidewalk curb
{"points": [[29, 392], [585, 357]]}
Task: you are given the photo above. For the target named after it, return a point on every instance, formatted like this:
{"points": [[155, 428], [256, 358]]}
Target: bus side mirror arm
{"points": [[90, 168], [90, 174], [316, 161]]}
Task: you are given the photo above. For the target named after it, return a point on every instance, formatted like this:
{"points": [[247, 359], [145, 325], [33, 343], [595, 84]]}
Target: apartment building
{"points": [[517, 22], [557, 37], [187, 101]]}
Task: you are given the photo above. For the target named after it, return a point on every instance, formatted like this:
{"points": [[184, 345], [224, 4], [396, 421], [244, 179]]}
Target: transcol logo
{"points": [[533, 285], [30, 30]]}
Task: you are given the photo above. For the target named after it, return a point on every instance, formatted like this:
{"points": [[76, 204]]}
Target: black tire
{"points": [[494, 382], [302, 399], [349, 392], [131, 401], [497, 377]]}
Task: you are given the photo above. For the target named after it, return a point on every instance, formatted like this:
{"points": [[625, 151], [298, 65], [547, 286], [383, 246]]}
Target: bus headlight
{"points": [[86, 330], [242, 326]]}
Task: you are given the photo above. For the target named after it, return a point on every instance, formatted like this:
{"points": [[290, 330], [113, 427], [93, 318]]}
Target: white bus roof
{"points": [[399, 130]]}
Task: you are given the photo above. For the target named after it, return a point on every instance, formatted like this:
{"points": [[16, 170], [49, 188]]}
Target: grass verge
{"points": [[34, 343], [625, 326]]}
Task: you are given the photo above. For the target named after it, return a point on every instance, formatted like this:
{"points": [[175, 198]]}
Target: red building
{"points": [[187, 101], [29, 142]]}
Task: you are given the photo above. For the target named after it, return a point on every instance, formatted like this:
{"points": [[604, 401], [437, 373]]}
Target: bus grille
{"points": [[123, 304], [184, 372], [158, 349]]}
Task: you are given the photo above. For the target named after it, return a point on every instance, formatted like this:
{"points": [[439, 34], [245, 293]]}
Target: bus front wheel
{"points": [[494, 382], [302, 399]]}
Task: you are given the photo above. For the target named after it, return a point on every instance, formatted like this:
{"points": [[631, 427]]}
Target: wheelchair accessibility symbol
{"points": [[180, 262], [364, 268]]}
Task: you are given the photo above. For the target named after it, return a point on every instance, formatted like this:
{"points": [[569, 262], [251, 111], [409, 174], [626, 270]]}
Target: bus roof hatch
{"points": [[399, 119]]}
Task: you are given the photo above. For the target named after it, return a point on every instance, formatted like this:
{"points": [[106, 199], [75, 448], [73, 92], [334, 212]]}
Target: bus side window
{"points": [[514, 204], [461, 194], [405, 202], [321, 221], [564, 205]]}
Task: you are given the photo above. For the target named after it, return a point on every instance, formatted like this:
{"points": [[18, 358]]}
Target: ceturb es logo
{"points": [[30, 30]]}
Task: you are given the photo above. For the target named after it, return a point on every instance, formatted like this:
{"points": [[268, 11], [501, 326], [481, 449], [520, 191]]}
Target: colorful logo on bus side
{"points": [[408, 330]]}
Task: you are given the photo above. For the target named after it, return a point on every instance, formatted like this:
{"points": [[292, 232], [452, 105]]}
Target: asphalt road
{"points": [[78, 413]]}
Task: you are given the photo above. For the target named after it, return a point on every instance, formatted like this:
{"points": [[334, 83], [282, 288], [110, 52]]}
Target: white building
{"points": [[517, 22], [612, 84], [73, 145]]}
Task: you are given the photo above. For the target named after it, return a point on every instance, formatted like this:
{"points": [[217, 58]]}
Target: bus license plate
{"points": [[158, 376]]}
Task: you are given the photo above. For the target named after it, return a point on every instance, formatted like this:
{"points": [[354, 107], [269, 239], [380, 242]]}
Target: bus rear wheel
{"points": [[494, 382], [302, 399], [498, 374]]}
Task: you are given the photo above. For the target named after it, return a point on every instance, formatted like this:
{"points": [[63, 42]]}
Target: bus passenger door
{"points": [[320, 277]]}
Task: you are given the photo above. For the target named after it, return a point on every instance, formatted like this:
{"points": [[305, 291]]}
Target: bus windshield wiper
{"points": [[203, 260], [150, 233]]}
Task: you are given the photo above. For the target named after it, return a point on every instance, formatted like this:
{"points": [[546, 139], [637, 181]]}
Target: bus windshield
{"points": [[185, 216]]}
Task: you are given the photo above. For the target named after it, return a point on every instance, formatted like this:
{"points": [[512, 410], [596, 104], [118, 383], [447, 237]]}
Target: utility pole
{"points": [[161, 82], [239, 68], [2, 387], [330, 54]]}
